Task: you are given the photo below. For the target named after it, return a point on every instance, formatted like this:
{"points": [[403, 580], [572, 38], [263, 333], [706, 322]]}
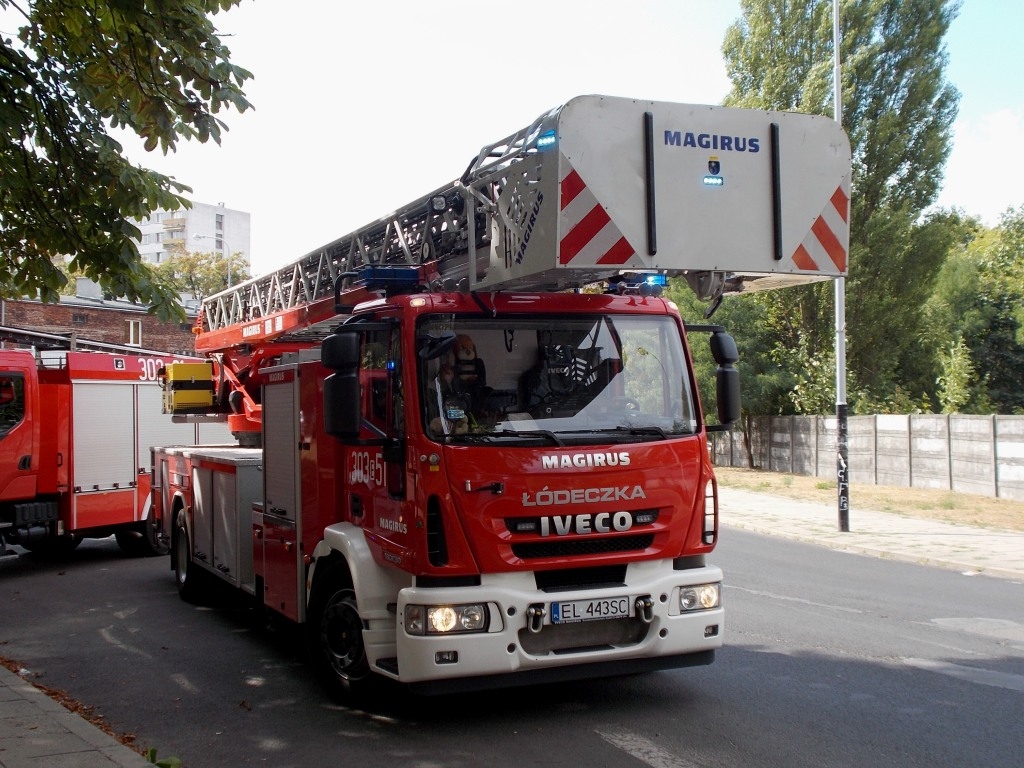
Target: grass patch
{"points": [[930, 503]]}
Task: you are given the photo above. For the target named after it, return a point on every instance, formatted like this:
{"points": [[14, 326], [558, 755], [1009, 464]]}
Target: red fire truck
{"points": [[460, 467], [76, 427]]}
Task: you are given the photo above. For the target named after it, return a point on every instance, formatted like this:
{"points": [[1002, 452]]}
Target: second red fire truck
{"points": [[76, 426]]}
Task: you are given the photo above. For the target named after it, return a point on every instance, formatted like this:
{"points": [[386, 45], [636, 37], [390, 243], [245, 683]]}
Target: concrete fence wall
{"points": [[972, 454]]}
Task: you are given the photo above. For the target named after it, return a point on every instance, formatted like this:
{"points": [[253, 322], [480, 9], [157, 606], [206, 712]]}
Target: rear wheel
{"points": [[334, 637], [54, 547], [141, 541], [189, 577]]}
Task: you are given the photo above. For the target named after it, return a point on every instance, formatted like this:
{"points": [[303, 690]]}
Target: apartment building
{"points": [[203, 227]]}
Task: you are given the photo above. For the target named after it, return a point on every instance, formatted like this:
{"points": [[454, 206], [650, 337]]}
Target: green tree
{"points": [[202, 274], [898, 112], [955, 379], [996, 337], [766, 383], [978, 302], [76, 71]]}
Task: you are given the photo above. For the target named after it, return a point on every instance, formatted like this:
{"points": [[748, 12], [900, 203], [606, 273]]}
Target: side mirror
{"points": [[727, 378], [340, 351], [342, 417]]}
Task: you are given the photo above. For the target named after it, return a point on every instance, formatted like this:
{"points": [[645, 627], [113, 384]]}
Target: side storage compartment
{"points": [[226, 484], [284, 571]]}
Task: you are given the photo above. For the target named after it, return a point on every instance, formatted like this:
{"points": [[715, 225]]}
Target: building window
{"points": [[133, 333], [77, 318]]}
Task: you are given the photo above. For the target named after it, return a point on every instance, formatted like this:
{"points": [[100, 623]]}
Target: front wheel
{"points": [[334, 637]]}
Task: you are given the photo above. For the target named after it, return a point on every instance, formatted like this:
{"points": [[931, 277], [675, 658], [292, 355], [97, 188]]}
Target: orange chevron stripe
{"points": [[803, 259], [830, 243]]}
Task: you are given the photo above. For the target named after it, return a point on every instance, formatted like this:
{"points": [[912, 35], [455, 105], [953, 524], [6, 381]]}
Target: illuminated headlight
{"points": [[699, 598], [445, 619]]}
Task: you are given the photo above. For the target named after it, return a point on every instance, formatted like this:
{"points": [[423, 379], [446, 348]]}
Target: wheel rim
{"points": [[341, 636]]}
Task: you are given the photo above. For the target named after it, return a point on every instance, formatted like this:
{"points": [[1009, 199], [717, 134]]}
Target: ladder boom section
{"points": [[732, 200], [295, 298]]}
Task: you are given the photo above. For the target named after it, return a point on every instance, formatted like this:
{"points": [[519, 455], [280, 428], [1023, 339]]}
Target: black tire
{"points": [[141, 541], [190, 577], [334, 637], [55, 547]]}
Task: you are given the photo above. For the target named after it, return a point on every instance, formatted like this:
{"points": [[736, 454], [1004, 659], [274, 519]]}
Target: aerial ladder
{"points": [[561, 204]]}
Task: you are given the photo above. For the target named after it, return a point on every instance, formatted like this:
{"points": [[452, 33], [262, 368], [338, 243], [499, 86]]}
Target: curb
{"points": [[35, 729]]}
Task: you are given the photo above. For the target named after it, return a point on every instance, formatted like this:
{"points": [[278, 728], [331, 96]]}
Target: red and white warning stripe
{"points": [[591, 237], [590, 234], [825, 240]]}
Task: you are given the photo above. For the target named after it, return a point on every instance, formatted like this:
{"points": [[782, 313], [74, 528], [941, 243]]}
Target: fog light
{"points": [[699, 598]]}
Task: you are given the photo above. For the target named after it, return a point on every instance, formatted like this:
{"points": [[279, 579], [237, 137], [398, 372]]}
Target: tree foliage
{"points": [[202, 274], [76, 71], [978, 301], [898, 111]]}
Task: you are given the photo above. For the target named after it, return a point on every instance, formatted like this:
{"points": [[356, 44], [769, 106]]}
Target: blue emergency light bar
{"points": [[546, 140], [642, 284], [375, 277]]}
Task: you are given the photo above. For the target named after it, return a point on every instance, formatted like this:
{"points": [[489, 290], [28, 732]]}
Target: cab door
{"points": [[372, 434], [19, 431]]}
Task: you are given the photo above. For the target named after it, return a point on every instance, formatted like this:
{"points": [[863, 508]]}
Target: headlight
{"points": [[445, 619], [699, 598]]}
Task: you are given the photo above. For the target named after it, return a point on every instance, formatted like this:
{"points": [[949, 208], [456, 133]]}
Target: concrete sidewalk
{"points": [[37, 732], [882, 534]]}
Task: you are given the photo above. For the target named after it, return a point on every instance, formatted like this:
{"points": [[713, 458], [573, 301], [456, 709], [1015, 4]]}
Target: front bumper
{"points": [[509, 652]]}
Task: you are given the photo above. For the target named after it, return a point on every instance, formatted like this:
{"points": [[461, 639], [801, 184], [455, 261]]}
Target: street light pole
{"points": [[842, 435], [224, 249]]}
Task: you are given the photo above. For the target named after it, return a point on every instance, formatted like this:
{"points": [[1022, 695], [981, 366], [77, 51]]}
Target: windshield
{"points": [[568, 378]]}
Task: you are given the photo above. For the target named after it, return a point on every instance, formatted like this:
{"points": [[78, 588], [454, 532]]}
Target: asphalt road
{"points": [[831, 659]]}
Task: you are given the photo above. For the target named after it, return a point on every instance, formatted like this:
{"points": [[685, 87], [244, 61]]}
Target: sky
{"points": [[363, 107]]}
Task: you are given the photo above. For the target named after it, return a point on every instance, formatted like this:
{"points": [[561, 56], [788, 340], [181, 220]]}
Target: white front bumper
{"points": [[500, 651]]}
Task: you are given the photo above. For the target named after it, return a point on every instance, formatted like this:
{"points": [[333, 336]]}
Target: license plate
{"points": [[574, 611]]}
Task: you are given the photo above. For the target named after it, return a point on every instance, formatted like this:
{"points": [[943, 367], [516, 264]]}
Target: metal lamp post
{"points": [[224, 248]]}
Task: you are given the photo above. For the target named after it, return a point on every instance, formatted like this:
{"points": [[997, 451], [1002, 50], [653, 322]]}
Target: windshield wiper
{"points": [[649, 430], [638, 431], [529, 433]]}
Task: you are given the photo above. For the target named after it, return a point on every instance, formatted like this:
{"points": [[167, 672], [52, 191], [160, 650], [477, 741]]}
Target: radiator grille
{"points": [[579, 547]]}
